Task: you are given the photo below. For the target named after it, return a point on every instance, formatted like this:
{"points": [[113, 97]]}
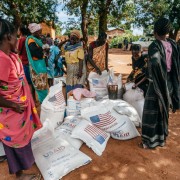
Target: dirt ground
{"points": [[124, 159]]}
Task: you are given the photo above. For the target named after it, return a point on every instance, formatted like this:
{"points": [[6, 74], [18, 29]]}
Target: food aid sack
{"points": [[2, 153], [128, 86], [123, 108], [135, 97], [53, 106], [72, 112], [43, 135], [98, 83], [73, 104], [126, 131], [66, 129], [59, 80], [95, 138], [102, 117], [116, 80], [56, 158], [139, 106]]}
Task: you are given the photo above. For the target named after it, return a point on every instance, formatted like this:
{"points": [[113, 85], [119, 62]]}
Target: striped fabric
{"points": [[96, 133]]}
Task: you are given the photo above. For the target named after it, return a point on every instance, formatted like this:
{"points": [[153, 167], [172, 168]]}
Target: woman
{"points": [[37, 63], [139, 72], [162, 93], [98, 55], [18, 115], [23, 32], [74, 56]]}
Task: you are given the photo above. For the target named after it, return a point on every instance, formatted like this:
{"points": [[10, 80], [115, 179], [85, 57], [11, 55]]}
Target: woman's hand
{"points": [[19, 108], [134, 86], [79, 75]]}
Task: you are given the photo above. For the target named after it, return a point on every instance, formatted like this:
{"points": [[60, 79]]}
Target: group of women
{"points": [[157, 75]]}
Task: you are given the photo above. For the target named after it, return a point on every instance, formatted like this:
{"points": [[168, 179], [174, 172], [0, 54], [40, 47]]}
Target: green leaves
{"points": [[25, 11]]}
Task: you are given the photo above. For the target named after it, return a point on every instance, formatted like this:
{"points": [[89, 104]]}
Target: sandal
{"points": [[143, 146], [2, 158], [36, 177]]}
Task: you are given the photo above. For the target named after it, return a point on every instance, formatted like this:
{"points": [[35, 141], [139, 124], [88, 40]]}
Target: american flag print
{"points": [[57, 99], [102, 120], [96, 133]]}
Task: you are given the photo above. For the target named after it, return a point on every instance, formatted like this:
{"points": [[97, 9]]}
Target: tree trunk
{"points": [[84, 23], [103, 15], [173, 34]]}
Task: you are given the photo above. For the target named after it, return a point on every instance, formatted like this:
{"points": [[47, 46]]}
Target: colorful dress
{"points": [[16, 129], [38, 70], [72, 55], [99, 58]]}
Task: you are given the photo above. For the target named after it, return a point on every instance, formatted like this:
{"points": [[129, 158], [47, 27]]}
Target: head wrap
{"points": [[136, 47], [162, 26], [76, 33], [34, 27]]}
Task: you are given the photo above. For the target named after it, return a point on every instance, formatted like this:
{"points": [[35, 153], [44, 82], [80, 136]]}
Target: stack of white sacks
{"points": [[56, 146]]}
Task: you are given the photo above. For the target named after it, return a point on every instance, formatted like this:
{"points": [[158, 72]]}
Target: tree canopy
{"points": [[147, 12], [25, 11]]}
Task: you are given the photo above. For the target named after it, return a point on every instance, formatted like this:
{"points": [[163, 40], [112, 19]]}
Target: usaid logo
{"points": [[54, 151]]}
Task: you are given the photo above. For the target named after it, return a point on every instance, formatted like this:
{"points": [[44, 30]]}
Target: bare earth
{"points": [[124, 159]]}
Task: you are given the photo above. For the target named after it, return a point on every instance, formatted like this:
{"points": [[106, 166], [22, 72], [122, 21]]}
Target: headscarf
{"points": [[76, 33], [34, 27], [162, 26]]}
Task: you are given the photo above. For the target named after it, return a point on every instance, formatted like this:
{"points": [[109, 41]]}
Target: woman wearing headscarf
{"points": [[18, 114], [37, 63], [162, 93], [98, 55], [139, 66], [74, 56]]}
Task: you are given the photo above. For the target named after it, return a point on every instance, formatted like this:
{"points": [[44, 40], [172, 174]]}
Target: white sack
{"points": [[95, 138], [2, 153], [66, 129], [123, 108], [56, 116], [101, 117], [56, 158], [126, 131], [133, 95], [53, 106], [98, 83], [139, 105], [59, 80]]}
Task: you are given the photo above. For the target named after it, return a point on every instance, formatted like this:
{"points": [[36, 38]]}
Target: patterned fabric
{"points": [[99, 58], [73, 64], [16, 129], [38, 72], [97, 134], [72, 71], [34, 27], [158, 98]]}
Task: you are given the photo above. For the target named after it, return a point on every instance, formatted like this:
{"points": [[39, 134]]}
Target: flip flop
{"points": [[36, 177], [143, 146], [2, 158]]}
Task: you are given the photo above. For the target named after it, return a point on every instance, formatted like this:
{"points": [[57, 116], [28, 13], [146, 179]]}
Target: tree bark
{"points": [[84, 23], [103, 15]]}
